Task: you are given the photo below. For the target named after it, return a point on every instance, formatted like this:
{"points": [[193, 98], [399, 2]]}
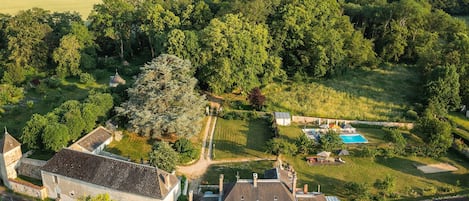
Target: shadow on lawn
{"points": [[409, 167]]}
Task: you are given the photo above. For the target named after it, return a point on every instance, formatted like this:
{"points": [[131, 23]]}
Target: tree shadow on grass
{"points": [[408, 166]]}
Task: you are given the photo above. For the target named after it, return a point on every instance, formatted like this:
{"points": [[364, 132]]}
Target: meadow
{"points": [[240, 138], [366, 94], [367, 170], [83, 7]]}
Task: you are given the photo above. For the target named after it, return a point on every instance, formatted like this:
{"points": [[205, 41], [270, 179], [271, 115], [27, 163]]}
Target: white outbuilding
{"points": [[282, 118]]}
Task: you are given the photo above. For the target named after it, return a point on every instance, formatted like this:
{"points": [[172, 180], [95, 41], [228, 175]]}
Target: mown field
{"points": [[369, 94], [83, 7], [410, 183], [240, 138], [132, 146]]}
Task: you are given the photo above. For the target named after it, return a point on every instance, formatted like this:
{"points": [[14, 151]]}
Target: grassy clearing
{"points": [[376, 94], [230, 170], [16, 116], [239, 138], [333, 178], [132, 146], [83, 7]]}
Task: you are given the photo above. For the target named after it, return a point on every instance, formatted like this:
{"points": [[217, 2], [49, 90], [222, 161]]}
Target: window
{"points": [[56, 180], [275, 198], [242, 198], [72, 193], [58, 195]]}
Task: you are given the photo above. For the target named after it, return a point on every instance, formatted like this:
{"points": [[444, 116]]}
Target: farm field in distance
{"points": [[83, 7]]}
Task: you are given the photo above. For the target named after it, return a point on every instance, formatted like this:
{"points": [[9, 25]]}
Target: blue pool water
{"points": [[353, 138]]}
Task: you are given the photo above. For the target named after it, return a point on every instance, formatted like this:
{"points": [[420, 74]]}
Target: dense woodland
{"points": [[239, 45]]}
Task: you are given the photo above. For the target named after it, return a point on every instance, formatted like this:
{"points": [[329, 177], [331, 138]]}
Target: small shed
{"points": [[115, 80], [282, 118]]}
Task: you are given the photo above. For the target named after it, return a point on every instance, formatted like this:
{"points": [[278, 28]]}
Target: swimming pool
{"points": [[353, 138]]}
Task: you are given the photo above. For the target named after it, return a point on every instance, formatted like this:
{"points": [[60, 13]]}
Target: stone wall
{"points": [[31, 167], [27, 188], [302, 119]]}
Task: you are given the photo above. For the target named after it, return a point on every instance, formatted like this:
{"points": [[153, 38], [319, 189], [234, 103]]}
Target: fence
{"points": [[302, 119]]}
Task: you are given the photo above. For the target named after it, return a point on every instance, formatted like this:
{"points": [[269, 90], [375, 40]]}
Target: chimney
{"points": [[254, 176], [166, 181], [220, 187], [294, 184], [191, 195], [305, 189], [319, 188]]}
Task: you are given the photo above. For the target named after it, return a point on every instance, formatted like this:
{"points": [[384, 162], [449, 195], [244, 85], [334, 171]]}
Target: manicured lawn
{"points": [[132, 146], [229, 170], [409, 181], [240, 139], [376, 94], [83, 7]]}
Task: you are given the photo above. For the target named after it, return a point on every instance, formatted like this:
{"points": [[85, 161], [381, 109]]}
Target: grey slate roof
{"points": [[8, 142], [266, 189], [320, 197], [283, 175], [282, 115], [94, 139], [111, 173]]}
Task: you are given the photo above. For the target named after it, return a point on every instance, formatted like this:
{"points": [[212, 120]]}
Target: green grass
{"points": [[376, 94], [460, 120], [229, 170], [239, 138], [83, 7], [132, 146], [16, 116], [333, 178]]}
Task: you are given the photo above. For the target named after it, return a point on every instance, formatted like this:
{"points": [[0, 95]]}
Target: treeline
{"points": [[242, 44]]}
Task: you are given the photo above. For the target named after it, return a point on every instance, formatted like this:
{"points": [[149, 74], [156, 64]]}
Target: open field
{"points": [[83, 7], [333, 178], [373, 94], [239, 138]]}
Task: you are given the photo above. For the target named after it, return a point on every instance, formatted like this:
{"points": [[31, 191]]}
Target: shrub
{"points": [[30, 104], [53, 82], [429, 191], [86, 78], [446, 189], [187, 151], [412, 114]]}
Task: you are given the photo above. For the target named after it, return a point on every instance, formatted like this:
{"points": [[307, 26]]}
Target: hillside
{"points": [[370, 94]]}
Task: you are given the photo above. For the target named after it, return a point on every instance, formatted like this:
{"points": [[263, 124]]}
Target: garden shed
{"points": [[282, 118]]}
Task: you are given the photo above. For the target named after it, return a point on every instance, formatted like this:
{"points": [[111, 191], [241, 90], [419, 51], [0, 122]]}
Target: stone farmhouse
{"points": [[85, 169]]}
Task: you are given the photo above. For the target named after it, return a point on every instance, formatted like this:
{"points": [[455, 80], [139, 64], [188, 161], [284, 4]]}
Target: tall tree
{"points": [[256, 98], [114, 19], [55, 137], [436, 134], [163, 101], [28, 51], [234, 53], [67, 56], [443, 89], [157, 21]]}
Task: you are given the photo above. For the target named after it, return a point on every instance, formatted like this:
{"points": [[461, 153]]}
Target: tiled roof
{"points": [[94, 139], [111, 173], [267, 189], [8, 142]]}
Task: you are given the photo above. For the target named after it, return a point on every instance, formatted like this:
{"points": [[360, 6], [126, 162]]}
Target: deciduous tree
{"points": [[163, 156]]}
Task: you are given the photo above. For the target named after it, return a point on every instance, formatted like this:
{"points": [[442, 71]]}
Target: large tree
{"points": [[67, 56], [163, 100], [235, 54]]}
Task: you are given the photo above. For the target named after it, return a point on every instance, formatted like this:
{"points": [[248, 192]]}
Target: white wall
{"points": [[72, 189]]}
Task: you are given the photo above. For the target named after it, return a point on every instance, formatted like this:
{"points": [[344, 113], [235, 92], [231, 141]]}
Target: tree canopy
{"points": [[163, 100]]}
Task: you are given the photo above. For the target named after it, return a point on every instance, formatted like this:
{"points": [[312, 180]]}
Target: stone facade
{"points": [[9, 159], [68, 189]]}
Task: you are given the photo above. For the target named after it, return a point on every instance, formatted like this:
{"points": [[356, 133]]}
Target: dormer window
{"points": [[275, 198]]}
